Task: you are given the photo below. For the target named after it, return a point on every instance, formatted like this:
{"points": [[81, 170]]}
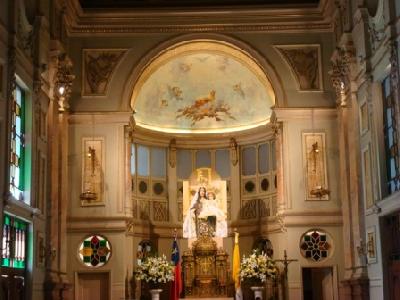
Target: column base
{"points": [[56, 289], [356, 289]]}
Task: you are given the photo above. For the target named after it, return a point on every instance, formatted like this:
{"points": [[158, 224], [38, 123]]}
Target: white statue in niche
{"points": [[205, 212]]}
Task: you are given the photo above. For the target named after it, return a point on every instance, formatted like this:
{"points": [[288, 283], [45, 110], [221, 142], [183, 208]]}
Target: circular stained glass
{"points": [[314, 245], [95, 251], [249, 186], [143, 187], [158, 188], [264, 184]]}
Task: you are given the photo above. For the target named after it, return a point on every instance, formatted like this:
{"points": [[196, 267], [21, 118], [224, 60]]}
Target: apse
{"points": [[202, 86]]}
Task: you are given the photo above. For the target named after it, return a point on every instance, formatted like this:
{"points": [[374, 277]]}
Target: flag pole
{"points": [[236, 266]]}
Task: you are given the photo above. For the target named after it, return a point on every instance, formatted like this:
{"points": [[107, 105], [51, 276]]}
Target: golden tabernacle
{"points": [[205, 269]]}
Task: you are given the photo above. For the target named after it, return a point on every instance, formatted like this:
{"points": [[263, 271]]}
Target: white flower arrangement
{"points": [[257, 267], [155, 270]]}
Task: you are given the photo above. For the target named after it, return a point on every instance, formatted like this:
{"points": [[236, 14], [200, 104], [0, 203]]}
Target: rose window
{"points": [[314, 245]]}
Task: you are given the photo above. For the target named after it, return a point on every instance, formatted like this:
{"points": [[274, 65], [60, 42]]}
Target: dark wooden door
{"points": [[395, 280], [13, 284]]}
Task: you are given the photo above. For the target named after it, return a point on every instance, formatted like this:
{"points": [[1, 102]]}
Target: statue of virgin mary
{"points": [[203, 209]]}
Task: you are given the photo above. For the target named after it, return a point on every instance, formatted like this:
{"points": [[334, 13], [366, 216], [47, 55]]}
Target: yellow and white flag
{"points": [[236, 268]]}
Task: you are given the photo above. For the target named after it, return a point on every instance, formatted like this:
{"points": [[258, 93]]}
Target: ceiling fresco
{"points": [[202, 87]]}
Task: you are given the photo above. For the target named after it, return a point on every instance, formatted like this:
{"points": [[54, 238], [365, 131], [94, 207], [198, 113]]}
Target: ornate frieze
{"points": [[305, 63], [98, 66]]}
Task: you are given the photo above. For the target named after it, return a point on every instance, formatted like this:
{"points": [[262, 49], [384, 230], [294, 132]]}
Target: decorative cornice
{"points": [[130, 29], [206, 19]]}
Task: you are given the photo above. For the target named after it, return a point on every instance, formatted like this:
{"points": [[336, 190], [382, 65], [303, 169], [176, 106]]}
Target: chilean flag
{"points": [[176, 285]]}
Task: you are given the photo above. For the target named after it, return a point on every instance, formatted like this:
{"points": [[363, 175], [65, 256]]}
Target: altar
{"points": [[205, 270], [205, 264]]}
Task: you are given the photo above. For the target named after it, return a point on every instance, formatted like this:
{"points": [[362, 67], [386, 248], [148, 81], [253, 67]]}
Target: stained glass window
{"points": [[17, 153], [158, 162], [314, 245], [263, 158], [223, 163], [391, 142], [249, 161], [14, 243], [143, 160], [184, 163], [95, 251]]}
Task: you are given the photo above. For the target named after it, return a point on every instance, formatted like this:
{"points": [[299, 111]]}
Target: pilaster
{"points": [[235, 181], [56, 283], [172, 179], [342, 75]]}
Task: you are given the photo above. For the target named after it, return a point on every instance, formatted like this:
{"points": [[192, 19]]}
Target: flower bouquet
{"points": [[155, 270], [256, 268]]}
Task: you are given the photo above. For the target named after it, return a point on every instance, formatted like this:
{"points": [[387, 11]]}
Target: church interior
{"points": [[199, 132]]}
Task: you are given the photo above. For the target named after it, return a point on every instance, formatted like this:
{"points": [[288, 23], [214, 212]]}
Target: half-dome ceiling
{"points": [[202, 87]]}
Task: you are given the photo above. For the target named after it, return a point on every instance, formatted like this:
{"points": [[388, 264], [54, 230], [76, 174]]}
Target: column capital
{"points": [[62, 82], [341, 62]]}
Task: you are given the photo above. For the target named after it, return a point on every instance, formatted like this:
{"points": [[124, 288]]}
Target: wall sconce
{"points": [[89, 193], [61, 90]]}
